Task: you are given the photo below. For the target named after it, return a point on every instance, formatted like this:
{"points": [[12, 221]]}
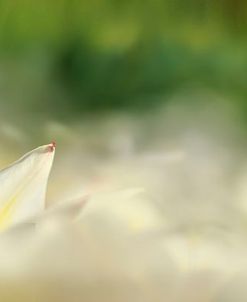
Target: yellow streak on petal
{"points": [[5, 212]]}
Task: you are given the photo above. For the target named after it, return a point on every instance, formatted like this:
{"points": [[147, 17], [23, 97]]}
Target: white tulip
{"points": [[23, 186]]}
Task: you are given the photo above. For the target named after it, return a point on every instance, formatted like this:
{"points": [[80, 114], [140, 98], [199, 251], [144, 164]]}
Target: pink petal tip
{"points": [[51, 146]]}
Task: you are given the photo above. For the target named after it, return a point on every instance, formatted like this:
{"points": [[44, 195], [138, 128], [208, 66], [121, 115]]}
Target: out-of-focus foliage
{"points": [[75, 56]]}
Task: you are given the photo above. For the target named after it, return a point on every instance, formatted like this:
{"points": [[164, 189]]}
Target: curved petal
{"points": [[67, 210], [23, 185], [52, 218]]}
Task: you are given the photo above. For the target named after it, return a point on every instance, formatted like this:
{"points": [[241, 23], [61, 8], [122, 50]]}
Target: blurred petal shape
{"points": [[23, 185], [51, 219], [59, 216], [68, 210]]}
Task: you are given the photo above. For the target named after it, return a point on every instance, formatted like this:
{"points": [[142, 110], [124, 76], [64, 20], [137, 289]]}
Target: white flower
{"points": [[23, 185], [23, 189]]}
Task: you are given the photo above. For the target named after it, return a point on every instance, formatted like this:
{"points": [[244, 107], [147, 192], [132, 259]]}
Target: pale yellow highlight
{"points": [[5, 212]]}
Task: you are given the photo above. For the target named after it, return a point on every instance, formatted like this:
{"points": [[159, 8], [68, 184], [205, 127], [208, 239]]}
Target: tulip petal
{"points": [[57, 215], [23, 185], [67, 210]]}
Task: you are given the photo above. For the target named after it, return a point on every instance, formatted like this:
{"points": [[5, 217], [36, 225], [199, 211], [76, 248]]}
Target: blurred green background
{"points": [[64, 59]]}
